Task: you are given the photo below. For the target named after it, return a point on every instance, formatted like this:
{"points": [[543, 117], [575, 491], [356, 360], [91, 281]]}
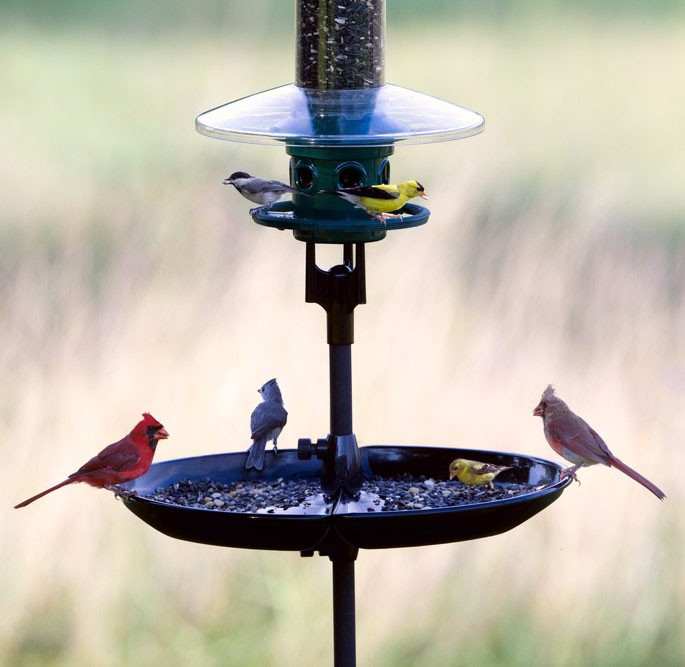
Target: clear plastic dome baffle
{"points": [[380, 116]]}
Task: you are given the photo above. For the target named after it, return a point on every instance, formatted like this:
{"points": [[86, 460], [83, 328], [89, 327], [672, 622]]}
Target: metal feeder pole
{"points": [[344, 622], [339, 290], [340, 338], [340, 363]]}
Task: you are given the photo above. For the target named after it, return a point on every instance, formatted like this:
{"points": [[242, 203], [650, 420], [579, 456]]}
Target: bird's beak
{"points": [[227, 181], [538, 411], [423, 195], [162, 434], [452, 474]]}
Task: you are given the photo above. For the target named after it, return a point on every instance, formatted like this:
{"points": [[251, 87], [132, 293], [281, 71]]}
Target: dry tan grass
{"points": [[132, 280]]}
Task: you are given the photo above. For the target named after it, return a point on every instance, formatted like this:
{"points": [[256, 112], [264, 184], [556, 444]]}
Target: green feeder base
{"points": [[343, 230]]}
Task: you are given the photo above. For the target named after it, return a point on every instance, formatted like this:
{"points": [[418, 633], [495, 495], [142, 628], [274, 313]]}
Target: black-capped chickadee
{"points": [[258, 190]]}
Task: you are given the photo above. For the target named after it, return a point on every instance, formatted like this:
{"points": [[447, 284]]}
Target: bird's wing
{"points": [[575, 434], [484, 468], [118, 456], [598, 439], [373, 191], [267, 416], [256, 185], [278, 186]]}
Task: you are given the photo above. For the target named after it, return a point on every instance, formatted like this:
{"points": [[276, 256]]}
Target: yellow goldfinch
{"points": [[381, 200], [475, 473]]}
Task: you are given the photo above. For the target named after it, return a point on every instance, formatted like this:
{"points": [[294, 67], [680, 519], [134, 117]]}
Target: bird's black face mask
{"points": [[151, 439]]}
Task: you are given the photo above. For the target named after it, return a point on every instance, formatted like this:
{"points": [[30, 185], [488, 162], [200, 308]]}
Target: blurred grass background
{"points": [[132, 280]]}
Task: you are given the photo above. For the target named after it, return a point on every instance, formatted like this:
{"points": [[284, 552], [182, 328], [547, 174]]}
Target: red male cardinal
{"points": [[120, 462], [575, 440]]}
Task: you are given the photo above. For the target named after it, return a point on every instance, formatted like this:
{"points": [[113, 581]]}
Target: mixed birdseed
{"points": [[340, 43], [409, 492], [263, 496], [305, 496]]}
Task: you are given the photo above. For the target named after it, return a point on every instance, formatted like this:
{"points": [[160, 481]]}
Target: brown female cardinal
{"points": [[573, 438], [120, 462]]}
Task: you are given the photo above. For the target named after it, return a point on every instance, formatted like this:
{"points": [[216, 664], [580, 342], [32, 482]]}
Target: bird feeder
{"points": [[340, 124]]}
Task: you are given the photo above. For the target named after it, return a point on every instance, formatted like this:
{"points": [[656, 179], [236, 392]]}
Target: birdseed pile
{"points": [[267, 496], [305, 496], [409, 492]]}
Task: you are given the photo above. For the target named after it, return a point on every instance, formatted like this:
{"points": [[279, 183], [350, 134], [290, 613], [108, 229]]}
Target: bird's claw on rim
{"points": [[569, 472]]}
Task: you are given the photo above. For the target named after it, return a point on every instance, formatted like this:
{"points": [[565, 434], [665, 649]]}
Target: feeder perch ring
{"points": [[282, 215]]}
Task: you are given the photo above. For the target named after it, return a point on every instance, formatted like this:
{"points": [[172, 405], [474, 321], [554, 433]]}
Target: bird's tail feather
{"points": [[633, 474], [44, 493], [347, 196], [255, 455]]}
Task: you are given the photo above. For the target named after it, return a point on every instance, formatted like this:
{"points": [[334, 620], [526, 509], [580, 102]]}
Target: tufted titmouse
{"points": [[267, 422]]}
